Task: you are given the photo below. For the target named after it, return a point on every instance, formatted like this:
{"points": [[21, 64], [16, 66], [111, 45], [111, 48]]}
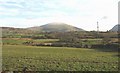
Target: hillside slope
{"points": [[116, 28], [56, 27]]}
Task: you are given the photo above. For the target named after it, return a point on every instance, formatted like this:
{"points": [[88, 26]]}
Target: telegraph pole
{"points": [[97, 32], [97, 29]]}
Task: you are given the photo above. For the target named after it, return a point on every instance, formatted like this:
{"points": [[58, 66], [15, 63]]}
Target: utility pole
{"points": [[97, 32], [97, 29]]}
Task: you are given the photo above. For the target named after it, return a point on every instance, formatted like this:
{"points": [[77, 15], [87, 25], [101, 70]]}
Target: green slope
{"points": [[56, 27]]}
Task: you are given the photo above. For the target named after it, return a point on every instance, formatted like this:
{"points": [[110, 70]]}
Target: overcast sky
{"points": [[80, 13]]}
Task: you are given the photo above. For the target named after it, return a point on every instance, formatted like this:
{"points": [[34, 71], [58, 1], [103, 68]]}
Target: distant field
{"points": [[91, 41], [45, 40], [16, 57], [20, 41]]}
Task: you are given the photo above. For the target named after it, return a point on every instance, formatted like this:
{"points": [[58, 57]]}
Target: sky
{"points": [[80, 13]]}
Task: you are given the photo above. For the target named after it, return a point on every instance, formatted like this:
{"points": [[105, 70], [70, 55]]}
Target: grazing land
{"points": [[16, 57]]}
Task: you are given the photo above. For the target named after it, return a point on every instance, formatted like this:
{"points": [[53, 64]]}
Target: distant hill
{"points": [[12, 30], [116, 28], [50, 27], [55, 27]]}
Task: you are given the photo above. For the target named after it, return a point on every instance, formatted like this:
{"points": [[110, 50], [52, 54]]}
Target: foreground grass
{"points": [[16, 57]]}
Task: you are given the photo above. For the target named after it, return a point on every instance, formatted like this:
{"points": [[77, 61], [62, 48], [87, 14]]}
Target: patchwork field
{"points": [[37, 58]]}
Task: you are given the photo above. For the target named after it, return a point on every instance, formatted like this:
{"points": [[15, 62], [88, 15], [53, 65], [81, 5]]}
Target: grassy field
{"points": [[20, 41], [16, 57], [91, 41]]}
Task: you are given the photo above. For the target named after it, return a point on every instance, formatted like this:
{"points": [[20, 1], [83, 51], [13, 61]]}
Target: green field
{"points": [[20, 41], [16, 57]]}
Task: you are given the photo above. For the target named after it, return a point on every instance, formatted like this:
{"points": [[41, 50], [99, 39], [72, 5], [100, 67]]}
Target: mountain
{"points": [[55, 27], [116, 28], [50, 27]]}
